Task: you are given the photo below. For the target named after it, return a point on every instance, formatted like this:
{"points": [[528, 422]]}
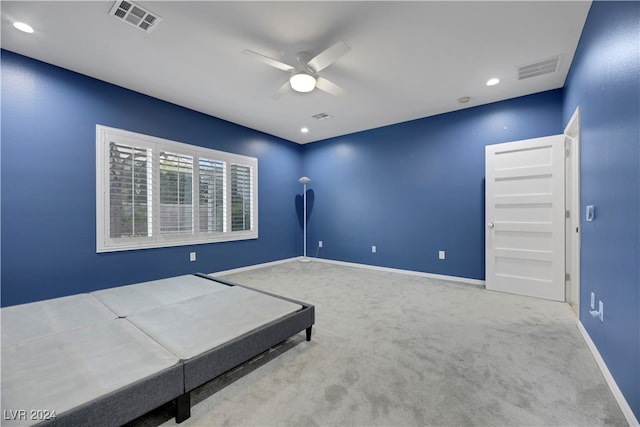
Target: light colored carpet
{"points": [[391, 349]]}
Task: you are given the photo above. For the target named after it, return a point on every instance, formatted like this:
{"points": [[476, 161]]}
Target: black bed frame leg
{"points": [[309, 333], [183, 407]]}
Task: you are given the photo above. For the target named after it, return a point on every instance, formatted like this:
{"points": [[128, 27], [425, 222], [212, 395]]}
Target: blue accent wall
{"points": [[49, 118], [410, 189], [604, 81], [415, 188]]}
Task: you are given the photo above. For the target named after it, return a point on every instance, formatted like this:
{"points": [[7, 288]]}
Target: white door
{"points": [[525, 217]]}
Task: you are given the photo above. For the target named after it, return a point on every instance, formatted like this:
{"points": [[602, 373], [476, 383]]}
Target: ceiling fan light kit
{"points": [[302, 82], [305, 77]]}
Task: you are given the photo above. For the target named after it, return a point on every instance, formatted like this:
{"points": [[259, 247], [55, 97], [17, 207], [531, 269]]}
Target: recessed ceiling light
{"points": [[23, 27], [492, 82], [304, 130]]}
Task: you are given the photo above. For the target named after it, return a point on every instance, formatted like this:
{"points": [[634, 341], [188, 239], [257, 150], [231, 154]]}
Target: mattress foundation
{"points": [[111, 356]]}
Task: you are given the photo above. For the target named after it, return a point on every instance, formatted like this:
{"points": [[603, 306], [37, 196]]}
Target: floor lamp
{"points": [[304, 181]]}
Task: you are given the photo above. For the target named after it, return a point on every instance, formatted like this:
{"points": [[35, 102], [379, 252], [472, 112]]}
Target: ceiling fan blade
{"points": [[329, 87], [283, 89], [269, 61], [328, 56]]}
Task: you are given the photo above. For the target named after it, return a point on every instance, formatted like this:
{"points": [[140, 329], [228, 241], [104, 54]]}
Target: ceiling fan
{"points": [[304, 77]]}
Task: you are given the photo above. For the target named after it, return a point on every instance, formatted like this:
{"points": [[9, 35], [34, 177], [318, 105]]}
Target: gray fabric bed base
{"points": [[122, 406], [176, 383], [217, 361], [221, 359]]}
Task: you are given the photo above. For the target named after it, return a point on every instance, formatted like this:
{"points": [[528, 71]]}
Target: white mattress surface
{"points": [[194, 326], [126, 300], [39, 319], [62, 371]]}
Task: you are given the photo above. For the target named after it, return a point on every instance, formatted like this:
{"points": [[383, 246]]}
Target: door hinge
{"points": [[567, 214], [567, 153], [567, 277]]}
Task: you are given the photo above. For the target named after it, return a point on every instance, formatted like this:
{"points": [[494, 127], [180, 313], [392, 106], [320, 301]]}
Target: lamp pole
{"points": [[304, 181]]}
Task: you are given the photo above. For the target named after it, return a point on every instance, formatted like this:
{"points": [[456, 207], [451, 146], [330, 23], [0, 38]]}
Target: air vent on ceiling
{"points": [[135, 15], [322, 116], [538, 68]]}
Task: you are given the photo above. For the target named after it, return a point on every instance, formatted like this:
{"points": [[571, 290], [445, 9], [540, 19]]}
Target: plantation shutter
{"points": [[211, 180], [130, 203], [241, 192], [153, 193], [176, 193]]}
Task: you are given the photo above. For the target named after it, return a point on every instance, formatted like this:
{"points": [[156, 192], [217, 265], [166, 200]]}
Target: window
{"points": [[153, 192]]}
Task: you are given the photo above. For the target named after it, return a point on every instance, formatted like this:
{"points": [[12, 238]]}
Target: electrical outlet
{"points": [[192, 256], [373, 249], [601, 310], [593, 300], [320, 244], [441, 254]]}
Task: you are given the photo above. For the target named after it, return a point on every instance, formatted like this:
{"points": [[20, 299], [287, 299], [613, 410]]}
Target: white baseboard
{"points": [[252, 267], [475, 282], [617, 394]]}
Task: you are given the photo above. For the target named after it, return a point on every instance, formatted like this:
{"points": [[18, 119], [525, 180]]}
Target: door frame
{"points": [[572, 204]]}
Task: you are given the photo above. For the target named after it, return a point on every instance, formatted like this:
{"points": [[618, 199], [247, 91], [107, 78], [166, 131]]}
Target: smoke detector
{"points": [[135, 15]]}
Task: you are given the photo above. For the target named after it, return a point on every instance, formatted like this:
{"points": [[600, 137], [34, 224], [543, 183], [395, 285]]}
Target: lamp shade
{"points": [[304, 180], [302, 82]]}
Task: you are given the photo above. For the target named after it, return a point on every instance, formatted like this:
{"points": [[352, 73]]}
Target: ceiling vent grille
{"points": [[322, 116], [538, 68], [135, 15]]}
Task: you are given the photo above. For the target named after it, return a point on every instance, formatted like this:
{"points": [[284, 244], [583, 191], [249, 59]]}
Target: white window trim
{"points": [[104, 243]]}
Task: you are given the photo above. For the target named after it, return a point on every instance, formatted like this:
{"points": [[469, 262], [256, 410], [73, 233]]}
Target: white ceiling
{"points": [[408, 59]]}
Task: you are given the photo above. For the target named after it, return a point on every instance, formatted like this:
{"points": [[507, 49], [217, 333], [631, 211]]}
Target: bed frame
{"points": [[172, 383], [221, 359]]}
